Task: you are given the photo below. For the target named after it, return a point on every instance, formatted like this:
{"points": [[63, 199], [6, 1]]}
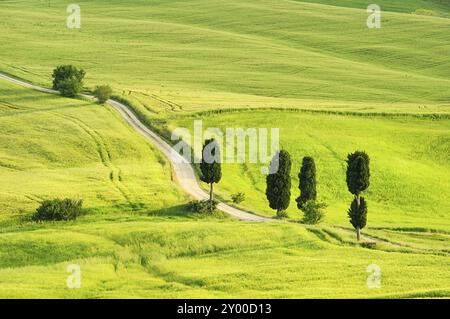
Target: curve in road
{"points": [[182, 168]]}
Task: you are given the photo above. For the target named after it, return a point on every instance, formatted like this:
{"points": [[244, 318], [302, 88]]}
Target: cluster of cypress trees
{"points": [[278, 191]]}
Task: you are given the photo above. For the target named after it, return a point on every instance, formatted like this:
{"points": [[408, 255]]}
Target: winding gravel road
{"points": [[182, 168]]}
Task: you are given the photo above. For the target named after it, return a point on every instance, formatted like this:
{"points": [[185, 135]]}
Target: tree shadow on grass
{"points": [[143, 209], [120, 212], [182, 211]]}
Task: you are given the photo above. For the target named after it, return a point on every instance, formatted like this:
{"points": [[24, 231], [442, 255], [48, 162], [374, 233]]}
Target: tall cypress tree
{"points": [[278, 191], [358, 180], [307, 186], [210, 167]]}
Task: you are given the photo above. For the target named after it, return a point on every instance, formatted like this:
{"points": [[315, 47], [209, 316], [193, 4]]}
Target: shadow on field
{"points": [[173, 211], [183, 211]]}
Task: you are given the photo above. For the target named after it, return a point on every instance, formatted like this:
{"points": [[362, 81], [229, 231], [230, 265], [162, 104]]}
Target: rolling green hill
{"points": [[177, 61], [137, 240], [55, 147], [438, 7], [153, 258], [210, 53], [410, 163]]}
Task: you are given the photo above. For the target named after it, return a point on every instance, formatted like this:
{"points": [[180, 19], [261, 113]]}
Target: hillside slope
{"points": [[439, 8], [210, 53], [55, 147]]}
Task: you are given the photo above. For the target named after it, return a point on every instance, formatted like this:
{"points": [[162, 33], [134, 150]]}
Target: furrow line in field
{"points": [[105, 157]]}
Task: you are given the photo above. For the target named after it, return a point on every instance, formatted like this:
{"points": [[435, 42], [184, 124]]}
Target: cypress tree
{"points": [[358, 172], [358, 175], [210, 167], [307, 185], [278, 191]]}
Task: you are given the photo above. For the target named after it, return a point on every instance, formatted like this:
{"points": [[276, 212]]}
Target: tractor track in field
{"points": [[105, 157], [9, 105], [183, 171], [172, 105]]}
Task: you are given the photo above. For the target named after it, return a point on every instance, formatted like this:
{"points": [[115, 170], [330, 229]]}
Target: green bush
{"points": [[68, 80], [69, 87], [102, 93], [58, 209], [238, 198], [202, 206], [313, 212]]}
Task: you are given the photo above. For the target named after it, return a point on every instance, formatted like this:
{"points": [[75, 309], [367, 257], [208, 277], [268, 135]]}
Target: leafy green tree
{"points": [[278, 191], [358, 172], [102, 93], [210, 167], [307, 186], [358, 180], [68, 80], [69, 87]]}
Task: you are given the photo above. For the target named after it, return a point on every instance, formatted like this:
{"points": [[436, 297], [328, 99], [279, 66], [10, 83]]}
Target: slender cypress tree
{"points": [[210, 167], [358, 175], [278, 191], [307, 186]]}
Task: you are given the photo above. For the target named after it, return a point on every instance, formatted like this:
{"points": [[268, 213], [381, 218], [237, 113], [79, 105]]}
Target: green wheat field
{"points": [[311, 68]]}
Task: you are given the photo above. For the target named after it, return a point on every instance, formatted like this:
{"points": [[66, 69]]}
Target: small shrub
{"points": [[282, 214], [313, 212], [103, 93], [238, 198], [58, 209], [202, 206]]}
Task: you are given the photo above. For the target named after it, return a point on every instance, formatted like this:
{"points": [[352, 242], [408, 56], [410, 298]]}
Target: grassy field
{"points": [[156, 258], [174, 61], [55, 147], [200, 54], [439, 8], [410, 163], [141, 243]]}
